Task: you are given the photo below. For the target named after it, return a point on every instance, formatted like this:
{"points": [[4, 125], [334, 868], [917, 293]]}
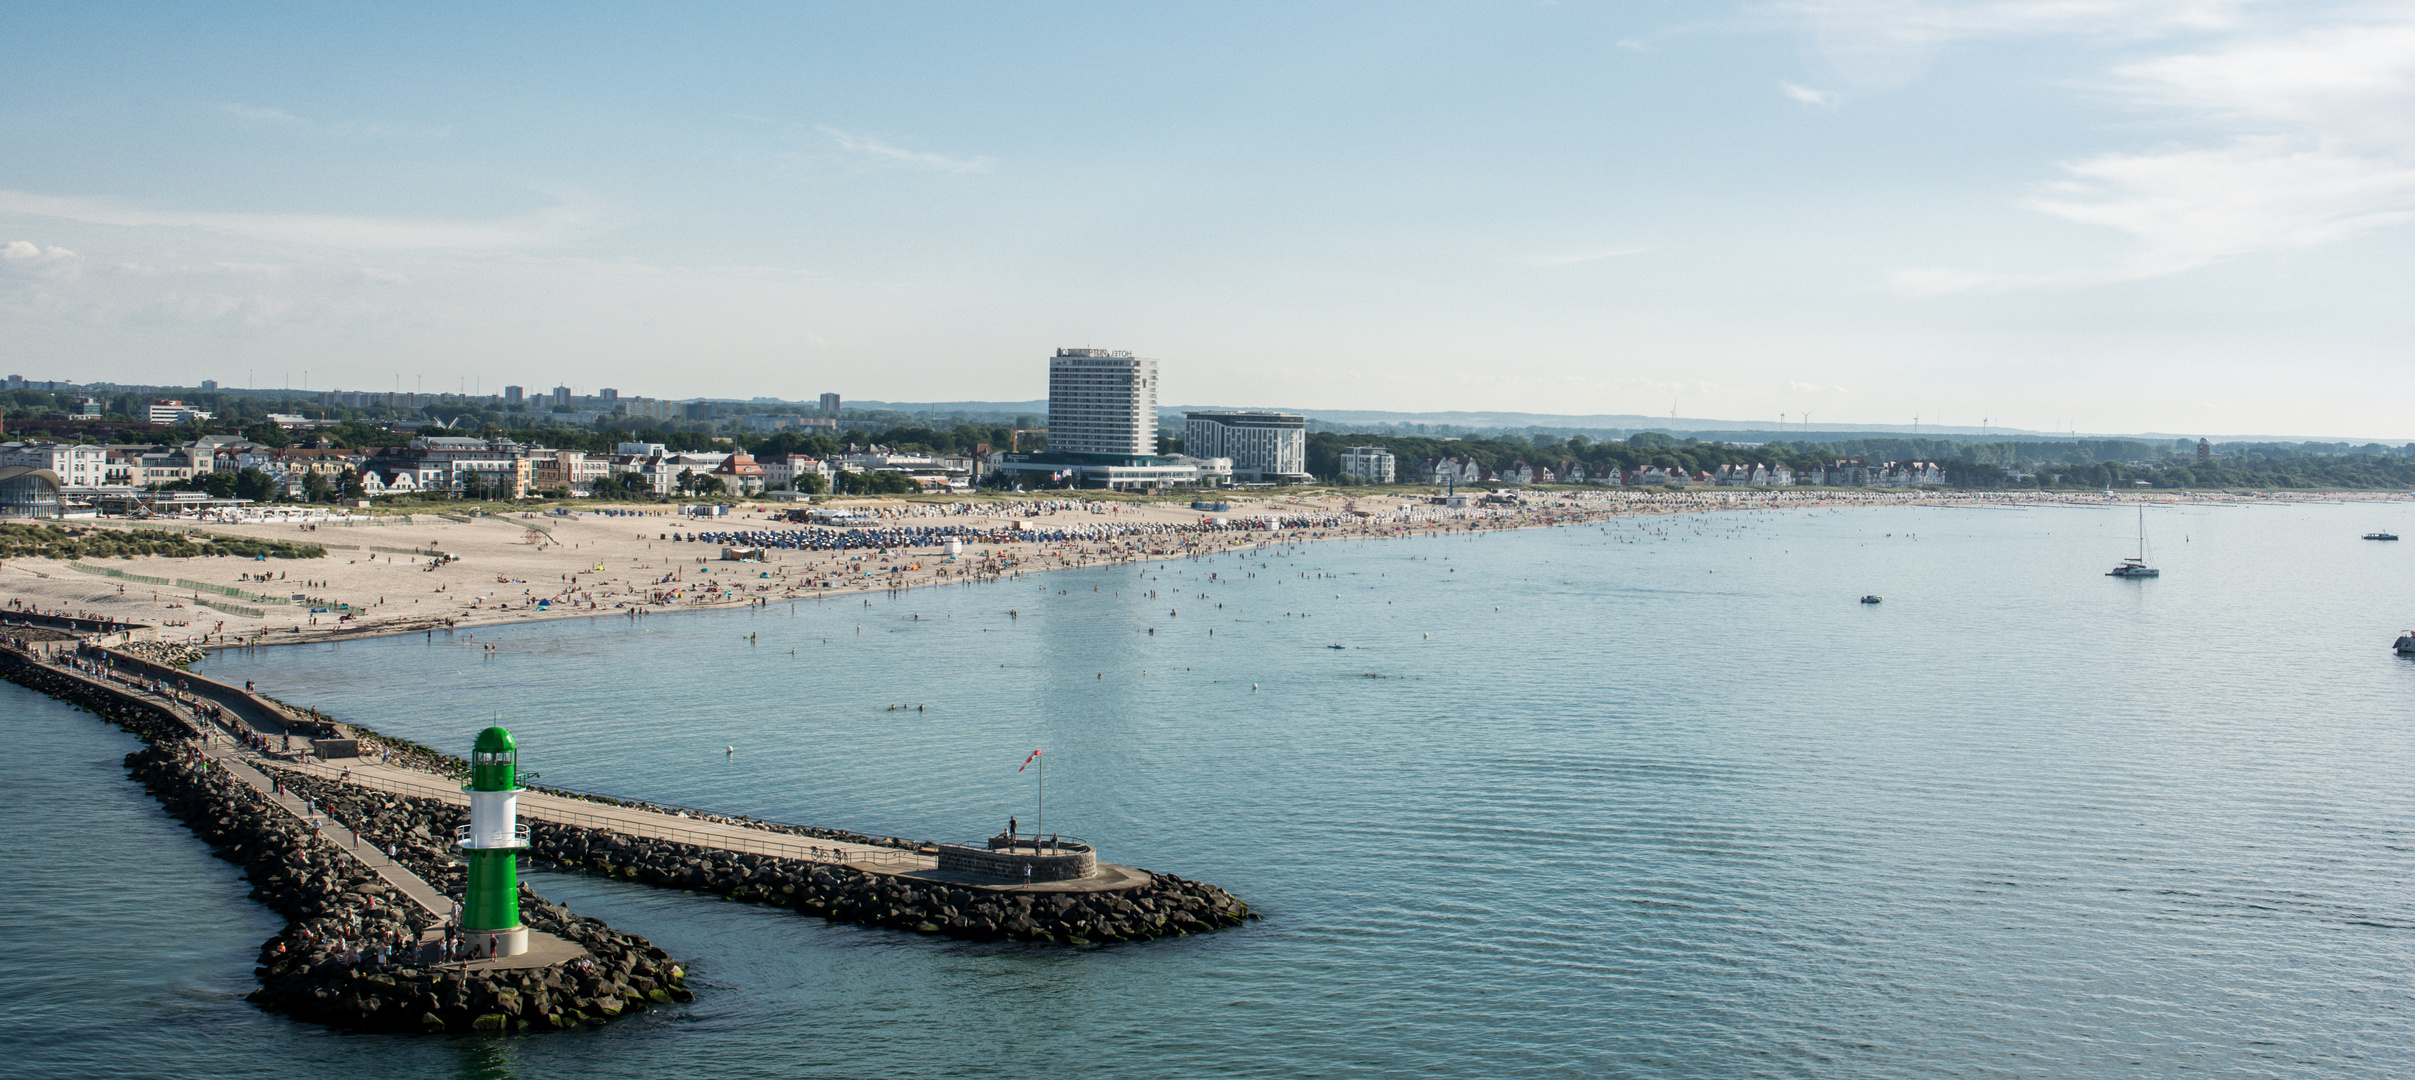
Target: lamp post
{"points": [[490, 911]]}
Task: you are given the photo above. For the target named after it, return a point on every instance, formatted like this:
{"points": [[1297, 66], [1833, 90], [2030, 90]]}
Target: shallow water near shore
{"points": [[1651, 798]]}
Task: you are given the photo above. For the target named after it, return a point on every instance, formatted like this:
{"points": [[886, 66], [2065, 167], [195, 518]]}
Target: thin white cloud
{"points": [[27, 250], [2194, 206], [875, 149], [1584, 257], [544, 229], [259, 114], [1808, 96], [1882, 44], [264, 116], [250, 269], [1915, 24], [2317, 145], [2348, 81], [24, 258]]}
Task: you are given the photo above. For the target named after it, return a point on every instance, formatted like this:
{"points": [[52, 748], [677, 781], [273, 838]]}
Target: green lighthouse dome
{"points": [[494, 761]]}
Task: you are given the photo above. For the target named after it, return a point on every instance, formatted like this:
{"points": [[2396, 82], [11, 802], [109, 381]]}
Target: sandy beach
{"points": [[517, 566]]}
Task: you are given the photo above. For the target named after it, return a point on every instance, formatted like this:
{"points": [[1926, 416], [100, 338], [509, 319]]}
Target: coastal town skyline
{"points": [[2118, 217], [585, 404]]}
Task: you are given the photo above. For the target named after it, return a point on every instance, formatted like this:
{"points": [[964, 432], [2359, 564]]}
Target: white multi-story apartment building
{"points": [[501, 463], [1264, 446], [1372, 464], [1102, 403], [78, 464], [175, 412]]}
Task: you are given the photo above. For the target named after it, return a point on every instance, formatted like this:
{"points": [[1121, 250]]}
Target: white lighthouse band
{"points": [[495, 821]]}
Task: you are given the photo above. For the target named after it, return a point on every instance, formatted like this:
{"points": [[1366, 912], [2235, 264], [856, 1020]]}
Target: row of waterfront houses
{"points": [[454, 465], [1469, 471]]}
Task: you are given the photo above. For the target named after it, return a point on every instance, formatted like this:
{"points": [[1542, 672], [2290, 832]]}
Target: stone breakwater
{"points": [[166, 652], [349, 955], [1167, 906]]}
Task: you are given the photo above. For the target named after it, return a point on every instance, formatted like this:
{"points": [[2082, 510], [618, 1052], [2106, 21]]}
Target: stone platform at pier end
{"points": [[1034, 864], [1107, 878]]}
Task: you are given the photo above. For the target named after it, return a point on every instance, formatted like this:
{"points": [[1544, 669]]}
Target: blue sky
{"points": [[2108, 215]]}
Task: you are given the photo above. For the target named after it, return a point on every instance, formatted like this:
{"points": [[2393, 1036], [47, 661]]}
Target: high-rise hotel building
{"points": [[1103, 403]]}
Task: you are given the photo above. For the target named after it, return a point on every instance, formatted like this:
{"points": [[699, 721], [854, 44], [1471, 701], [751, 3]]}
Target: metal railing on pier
{"points": [[1030, 844]]}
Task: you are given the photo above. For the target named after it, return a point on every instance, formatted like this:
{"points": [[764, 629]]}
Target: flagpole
{"points": [[1042, 826]]}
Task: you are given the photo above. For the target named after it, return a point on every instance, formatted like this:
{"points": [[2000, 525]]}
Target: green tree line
{"points": [[2066, 463]]}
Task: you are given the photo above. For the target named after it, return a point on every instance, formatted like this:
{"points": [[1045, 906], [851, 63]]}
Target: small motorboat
{"points": [[1872, 598], [2381, 536], [2405, 645]]}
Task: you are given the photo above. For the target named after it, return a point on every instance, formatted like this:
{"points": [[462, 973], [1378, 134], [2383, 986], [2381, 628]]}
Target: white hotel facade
{"points": [[1264, 446], [1102, 402]]}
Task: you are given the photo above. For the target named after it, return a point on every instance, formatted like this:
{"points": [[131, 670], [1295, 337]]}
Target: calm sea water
{"points": [[1656, 798]]}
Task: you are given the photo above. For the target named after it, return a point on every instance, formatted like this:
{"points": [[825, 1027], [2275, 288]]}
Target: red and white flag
{"points": [[1035, 756]]}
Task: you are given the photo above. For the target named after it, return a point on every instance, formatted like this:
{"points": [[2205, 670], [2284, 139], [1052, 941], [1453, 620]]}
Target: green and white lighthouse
{"points": [[490, 912]]}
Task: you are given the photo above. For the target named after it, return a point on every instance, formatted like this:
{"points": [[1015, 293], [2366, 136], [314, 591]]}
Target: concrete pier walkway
{"points": [[633, 821]]}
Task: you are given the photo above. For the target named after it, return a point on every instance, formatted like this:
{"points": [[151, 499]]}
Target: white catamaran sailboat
{"points": [[2137, 567]]}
